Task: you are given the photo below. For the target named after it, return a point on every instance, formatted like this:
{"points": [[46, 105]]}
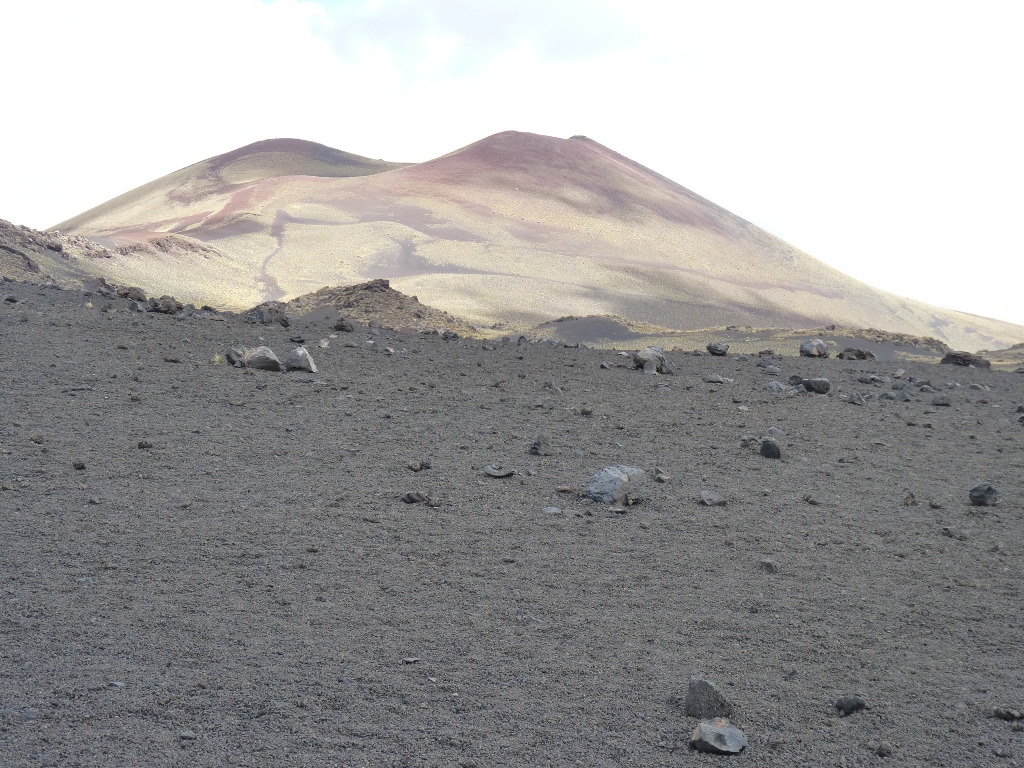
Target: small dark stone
{"points": [[942, 400], [539, 447], [78, 464], [847, 705], [984, 495], [770, 450], [856, 354], [818, 386], [344, 326]]}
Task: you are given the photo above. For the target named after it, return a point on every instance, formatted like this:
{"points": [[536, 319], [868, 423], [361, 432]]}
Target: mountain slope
{"points": [[515, 229]]}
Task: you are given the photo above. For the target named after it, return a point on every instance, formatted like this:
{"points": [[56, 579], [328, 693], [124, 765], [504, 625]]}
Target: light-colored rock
{"points": [[652, 360], [612, 484], [814, 348], [718, 737], [299, 359]]}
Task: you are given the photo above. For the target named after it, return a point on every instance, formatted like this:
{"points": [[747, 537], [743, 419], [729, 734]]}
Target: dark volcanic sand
{"points": [[245, 591]]}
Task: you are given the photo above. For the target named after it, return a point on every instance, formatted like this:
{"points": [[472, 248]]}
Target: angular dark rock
{"points": [[856, 354], [344, 326], [611, 485], [718, 348], [966, 359], [942, 400], [984, 495], [770, 450], [814, 348], [818, 386], [705, 700], [268, 313]]}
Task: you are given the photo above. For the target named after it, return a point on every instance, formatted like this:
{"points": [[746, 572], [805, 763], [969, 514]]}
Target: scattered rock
{"points": [[718, 348], [715, 379], [78, 464], [344, 326], [652, 360], [539, 447], [187, 735], [1008, 714], [984, 495], [769, 566], [884, 749], [856, 354], [814, 348], [847, 705], [778, 387], [705, 700], [818, 386], [268, 313], [770, 450], [418, 466], [612, 484], [661, 476], [165, 305], [496, 470], [711, 499], [718, 737], [415, 497], [966, 359], [258, 357], [942, 401], [145, 445], [299, 359]]}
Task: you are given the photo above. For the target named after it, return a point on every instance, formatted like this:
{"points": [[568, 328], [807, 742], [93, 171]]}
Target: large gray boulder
{"points": [[652, 360], [718, 348], [612, 484], [299, 359], [966, 359], [814, 348], [257, 357]]}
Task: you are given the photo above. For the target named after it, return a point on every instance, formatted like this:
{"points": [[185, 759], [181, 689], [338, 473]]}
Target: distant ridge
{"points": [[514, 230]]}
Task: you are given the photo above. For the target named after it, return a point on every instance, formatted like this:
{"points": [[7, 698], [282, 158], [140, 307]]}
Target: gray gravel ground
{"points": [[251, 590]]}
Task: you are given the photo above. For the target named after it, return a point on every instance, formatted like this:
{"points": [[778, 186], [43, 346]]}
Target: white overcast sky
{"points": [[884, 138]]}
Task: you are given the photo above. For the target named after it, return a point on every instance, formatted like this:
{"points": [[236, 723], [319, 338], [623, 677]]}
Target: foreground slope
{"points": [[516, 229], [232, 577]]}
